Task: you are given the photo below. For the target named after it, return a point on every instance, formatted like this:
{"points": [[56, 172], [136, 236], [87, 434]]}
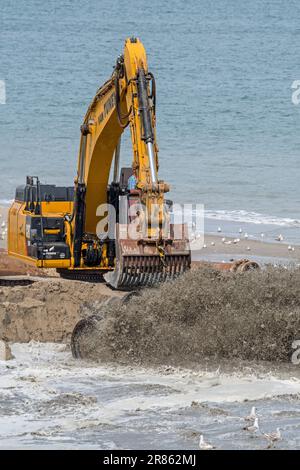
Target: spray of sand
{"points": [[250, 316]]}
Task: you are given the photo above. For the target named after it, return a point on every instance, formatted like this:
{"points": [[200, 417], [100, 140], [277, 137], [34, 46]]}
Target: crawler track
{"points": [[12, 281], [81, 275]]}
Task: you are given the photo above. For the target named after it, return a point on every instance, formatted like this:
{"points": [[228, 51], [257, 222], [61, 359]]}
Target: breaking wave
{"points": [[251, 217]]}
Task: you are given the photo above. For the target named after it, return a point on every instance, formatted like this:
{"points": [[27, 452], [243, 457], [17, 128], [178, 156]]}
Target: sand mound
{"points": [[255, 315], [10, 267], [47, 310]]}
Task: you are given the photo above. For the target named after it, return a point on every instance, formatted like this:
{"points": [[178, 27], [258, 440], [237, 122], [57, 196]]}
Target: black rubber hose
{"points": [[120, 117], [153, 91], [144, 106]]}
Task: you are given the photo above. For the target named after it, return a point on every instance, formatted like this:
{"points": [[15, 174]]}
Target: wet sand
{"points": [[217, 250]]}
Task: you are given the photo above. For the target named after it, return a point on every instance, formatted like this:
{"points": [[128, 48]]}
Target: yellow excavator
{"points": [[122, 230]]}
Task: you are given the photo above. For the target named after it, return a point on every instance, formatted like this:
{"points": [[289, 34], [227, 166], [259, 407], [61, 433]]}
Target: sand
{"points": [[48, 310], [252, 249], [204, 313]]}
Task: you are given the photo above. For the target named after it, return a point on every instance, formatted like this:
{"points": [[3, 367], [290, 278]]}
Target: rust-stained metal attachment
{"points": [[144, 263]]}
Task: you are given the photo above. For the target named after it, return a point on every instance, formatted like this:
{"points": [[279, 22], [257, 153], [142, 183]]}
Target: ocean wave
{"points": [[5, 202], [251, 217]]}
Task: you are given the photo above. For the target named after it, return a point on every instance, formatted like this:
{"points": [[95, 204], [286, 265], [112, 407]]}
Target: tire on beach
{"points": [[248, 266], [81, 334], [87, 338], [244, 265]]}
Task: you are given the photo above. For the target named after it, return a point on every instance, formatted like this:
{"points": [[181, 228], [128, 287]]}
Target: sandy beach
{"points": [[217, 251]]}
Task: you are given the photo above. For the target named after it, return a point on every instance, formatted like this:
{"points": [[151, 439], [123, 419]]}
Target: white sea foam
{"points": [[5, 202], [50, 399], [251, 217]]}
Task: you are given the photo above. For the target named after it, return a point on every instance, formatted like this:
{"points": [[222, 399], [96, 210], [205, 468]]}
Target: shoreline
{"points": [[214, 249]]}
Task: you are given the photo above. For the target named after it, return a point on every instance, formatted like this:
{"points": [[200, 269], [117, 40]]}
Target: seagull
{"points": [[3, 224], [204, 246], [248, 248], [212, 243], [289, 248], [240, 230], [228, 243], [253, 428], [223, 239], [262, 235], [236, 240], [273, 436], [219, 229], [246, 235], [251, 417], [279, 238], [205, 445]]}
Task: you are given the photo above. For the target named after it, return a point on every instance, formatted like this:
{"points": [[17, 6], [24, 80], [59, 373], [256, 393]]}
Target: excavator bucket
{"points": [[144, 263]]}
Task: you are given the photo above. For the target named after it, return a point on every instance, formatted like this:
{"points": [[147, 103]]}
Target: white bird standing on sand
{"points": [[240, 230], [248, 248], [219, 229], [3, 224], [212, 243], [289, 248], [246, 235], [251, 417], [273, 436], [223, 239], [253, 428], [205, 445], [279, 238]]}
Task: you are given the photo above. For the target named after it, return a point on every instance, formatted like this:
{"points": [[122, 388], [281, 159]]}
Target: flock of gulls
{"points": [[252, 428], [278, 238]]}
